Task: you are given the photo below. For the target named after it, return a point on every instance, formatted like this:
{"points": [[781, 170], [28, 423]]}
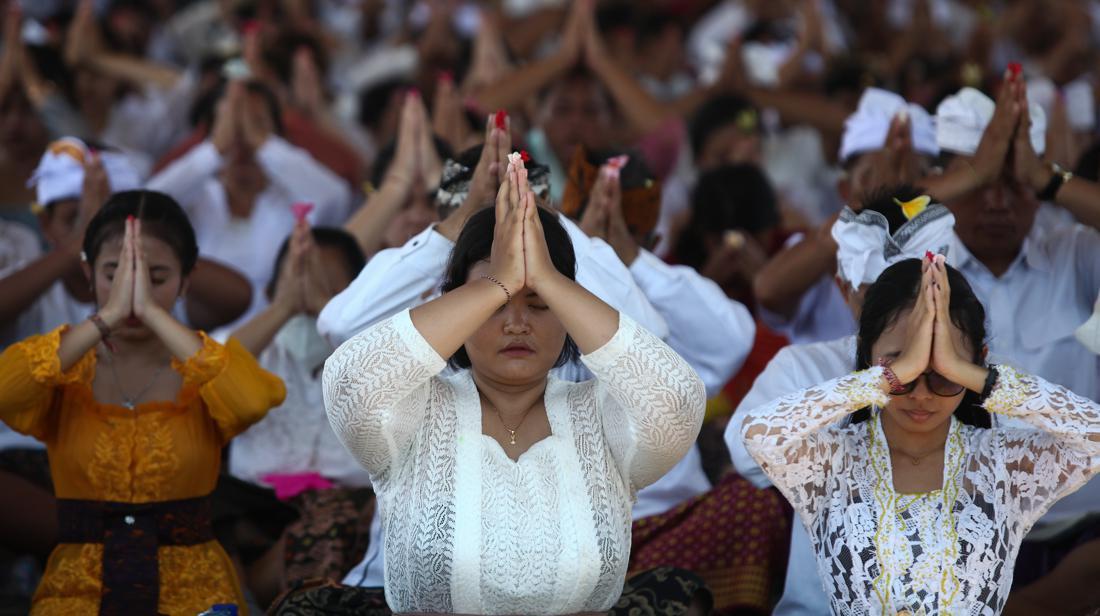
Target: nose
{"points": [[996, 198], [515, 317], [921, 391]]}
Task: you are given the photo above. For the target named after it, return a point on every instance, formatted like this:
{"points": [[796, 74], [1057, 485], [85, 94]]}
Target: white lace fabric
{"points": [[467, 529], [950, 551]]}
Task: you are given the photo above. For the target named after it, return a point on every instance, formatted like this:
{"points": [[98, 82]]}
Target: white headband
{"points": [[865, 247], [961, 119], [867, 128], [60, 173]]}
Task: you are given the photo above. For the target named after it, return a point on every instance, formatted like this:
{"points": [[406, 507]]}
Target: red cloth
{"points": [[735, 537]]}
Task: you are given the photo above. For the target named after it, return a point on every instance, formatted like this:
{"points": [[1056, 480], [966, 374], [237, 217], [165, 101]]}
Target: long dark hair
{"points": [[894, 291], [475, 244], [161, 217]]}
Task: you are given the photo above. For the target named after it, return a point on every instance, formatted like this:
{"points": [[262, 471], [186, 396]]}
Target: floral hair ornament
{"points": [[747, 121], [913, 207]]}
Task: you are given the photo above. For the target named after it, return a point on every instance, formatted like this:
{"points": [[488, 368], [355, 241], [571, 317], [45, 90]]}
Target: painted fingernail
{"points": [[1014, 68], [250, 26], [414, 92], [500, 118], [130, 218], [928, 255], [446, 77]]}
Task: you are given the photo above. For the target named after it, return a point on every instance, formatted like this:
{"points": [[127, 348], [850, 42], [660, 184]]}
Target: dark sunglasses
{"points": [[936, 383]]}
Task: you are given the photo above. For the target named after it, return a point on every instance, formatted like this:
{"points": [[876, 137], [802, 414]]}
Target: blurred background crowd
{"points": [[720, 136]]}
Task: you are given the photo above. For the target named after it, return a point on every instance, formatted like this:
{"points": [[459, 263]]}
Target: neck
{"points": [[511, 400], [240, 201], [148, 350], [915, 444]]}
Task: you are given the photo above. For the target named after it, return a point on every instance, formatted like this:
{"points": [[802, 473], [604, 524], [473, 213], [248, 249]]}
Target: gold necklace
{"points": [[916, 460], [511, 432]]}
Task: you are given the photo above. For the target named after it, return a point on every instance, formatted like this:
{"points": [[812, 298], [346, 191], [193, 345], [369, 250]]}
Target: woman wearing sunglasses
{"points": [[913, 502]]}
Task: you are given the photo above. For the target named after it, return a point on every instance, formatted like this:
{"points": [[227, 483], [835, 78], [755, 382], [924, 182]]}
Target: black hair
{"points": [[728, 197], [374, 100], [848, 74], [475, 243], [712, 116], [204, 111], [385, 157], [161, 217], [896, 290], [881, 200], [324, 237]]}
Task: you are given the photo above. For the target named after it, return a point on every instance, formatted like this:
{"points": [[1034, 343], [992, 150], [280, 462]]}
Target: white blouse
{"points": [[469, 530], [950, 551]]}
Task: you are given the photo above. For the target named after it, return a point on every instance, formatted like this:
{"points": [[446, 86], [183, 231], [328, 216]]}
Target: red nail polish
{"points": [[414, 92], [1015, 68], [501, 119], [928, 255], [446, 76], [250, 26], [130, 218]]}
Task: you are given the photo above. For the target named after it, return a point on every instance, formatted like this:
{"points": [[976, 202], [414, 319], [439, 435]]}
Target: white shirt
{"points": [[950, 551], [467, 529], [822, 313], [1033, 310], [793, 369], [399, 278], [251, 244], [294, 437]]}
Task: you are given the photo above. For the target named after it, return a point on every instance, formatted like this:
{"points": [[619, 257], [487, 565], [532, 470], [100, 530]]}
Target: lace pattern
{"points": [[469, 530], [950, 551]]}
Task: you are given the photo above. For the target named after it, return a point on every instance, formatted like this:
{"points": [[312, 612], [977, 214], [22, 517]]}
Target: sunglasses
{"points": [[935, 382]]}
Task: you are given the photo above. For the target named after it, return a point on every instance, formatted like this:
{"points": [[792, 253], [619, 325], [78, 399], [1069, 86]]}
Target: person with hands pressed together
{"points": [[238, 186], [401, 206], [134, 409], [915, 504], [550, 467]]}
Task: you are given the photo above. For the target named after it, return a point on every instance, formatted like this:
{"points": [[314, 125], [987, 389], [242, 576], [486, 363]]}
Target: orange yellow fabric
{"points": [[161, 450]]}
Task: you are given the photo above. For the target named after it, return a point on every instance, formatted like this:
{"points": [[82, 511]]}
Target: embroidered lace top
{"points": [[950, 551], [160, 450], [468, 529]]}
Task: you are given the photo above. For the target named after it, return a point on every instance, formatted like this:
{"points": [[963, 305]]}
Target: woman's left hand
{"points": [[536, 256], [947, 358], [144, 303]]}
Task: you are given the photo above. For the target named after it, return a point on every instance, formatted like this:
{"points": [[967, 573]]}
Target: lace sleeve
{"points": [[376, 389], [1049, 464], [785, 436], [30, 374], [651, 402], [235, 390]]}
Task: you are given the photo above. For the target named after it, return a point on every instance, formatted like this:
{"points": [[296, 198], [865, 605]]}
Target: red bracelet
{"points": [[891, 378], [104, 331]]}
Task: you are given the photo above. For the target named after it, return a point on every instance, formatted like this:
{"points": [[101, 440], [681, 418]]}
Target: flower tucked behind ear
{"points": [[914, 206], [747, 121]]}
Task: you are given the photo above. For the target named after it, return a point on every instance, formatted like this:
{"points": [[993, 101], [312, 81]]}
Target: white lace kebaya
{"points": [[469, 530], [950, 551]]}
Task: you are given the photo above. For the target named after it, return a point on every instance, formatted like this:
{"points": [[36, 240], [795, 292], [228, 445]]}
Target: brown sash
{"points": [[130, 534]]}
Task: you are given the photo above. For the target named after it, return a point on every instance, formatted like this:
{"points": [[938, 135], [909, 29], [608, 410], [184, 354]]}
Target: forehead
{"points": [[157, 251]]}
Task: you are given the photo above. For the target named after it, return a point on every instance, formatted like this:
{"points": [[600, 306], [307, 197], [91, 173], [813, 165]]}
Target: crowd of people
{"points": [[550, 307]]}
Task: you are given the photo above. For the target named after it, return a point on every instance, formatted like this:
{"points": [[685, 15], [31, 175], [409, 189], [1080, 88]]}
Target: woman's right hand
{"points": [[915, 357], [120, 305], [506, 257], [290, 287]]}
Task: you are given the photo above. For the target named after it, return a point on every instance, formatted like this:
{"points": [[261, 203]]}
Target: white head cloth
{"points": [[867, 128], [865, 247], [961, 119], [60, 173]]}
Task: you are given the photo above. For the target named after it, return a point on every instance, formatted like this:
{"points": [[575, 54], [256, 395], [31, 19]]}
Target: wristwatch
{"points": [[1060, 176]]}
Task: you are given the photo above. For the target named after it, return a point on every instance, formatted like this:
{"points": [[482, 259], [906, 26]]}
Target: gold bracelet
{"points": [[507, 293]]}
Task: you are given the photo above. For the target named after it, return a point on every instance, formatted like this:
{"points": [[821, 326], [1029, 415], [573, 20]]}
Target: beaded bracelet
{"points": [[507, 293], [990, 382], [891, 378]]}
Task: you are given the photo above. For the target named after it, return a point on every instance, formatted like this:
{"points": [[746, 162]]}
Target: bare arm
{"points": [[217, 295], [781, 283]]}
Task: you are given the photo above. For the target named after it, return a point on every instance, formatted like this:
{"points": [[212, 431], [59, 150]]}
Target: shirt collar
{"points": [[1031, 252]]}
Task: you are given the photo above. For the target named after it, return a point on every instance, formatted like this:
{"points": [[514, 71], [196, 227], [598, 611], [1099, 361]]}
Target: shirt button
{"points": [[129, 520]]}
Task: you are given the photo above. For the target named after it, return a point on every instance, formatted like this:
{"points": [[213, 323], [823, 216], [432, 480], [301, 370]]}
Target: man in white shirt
{"points": [[796, 291], [862, 244], [239, 186]]}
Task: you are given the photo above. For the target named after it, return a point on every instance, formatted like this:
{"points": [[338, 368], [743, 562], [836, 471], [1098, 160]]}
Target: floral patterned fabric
{"points": [[950, 551]]}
